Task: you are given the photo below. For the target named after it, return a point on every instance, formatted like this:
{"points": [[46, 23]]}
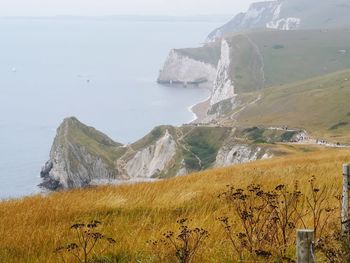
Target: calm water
{"points": [[45, 66]]}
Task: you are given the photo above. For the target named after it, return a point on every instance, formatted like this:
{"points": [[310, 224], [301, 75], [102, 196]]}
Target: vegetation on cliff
{"points": [[82, 156]]}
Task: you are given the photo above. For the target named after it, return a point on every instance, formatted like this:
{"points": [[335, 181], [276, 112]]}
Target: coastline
{"points": [[200, 109]]}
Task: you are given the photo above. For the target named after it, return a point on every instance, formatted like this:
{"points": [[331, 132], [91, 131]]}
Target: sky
{"points": [[120, 7]]}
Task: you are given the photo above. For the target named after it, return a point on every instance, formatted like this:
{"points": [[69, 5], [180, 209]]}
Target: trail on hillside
{"points": [[306, 139], [185, 147], [246, 106]]}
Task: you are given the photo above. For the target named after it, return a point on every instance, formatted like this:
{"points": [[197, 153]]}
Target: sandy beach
{"points": [[200, 109]]}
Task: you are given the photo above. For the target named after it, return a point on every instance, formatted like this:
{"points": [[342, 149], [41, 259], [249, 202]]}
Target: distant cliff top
{"points": [[288, 15]]}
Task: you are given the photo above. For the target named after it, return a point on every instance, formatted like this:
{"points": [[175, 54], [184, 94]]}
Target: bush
{"points": [[265, 221], [278, 46], [88, 243], [182, 245]]}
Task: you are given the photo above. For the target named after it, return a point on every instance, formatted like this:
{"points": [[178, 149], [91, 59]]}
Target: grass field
{"points": [[31, 228]]}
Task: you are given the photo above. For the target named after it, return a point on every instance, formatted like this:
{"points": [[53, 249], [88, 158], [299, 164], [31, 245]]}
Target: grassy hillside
{"points": [[319, 105], [153, 137], [203, 145], [247, 64], [297, 55], [73, 132], [196, 148], [209, 53], [318, 14], [31, 228], [270, 58]]}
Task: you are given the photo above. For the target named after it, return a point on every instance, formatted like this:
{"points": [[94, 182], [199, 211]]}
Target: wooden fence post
{"points": [[305, 246], [345, 199]]}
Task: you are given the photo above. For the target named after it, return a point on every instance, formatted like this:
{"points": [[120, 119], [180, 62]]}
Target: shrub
{"points": [[338, 125], [88, 242], [182, 245], [278, 46], [266, 220]]}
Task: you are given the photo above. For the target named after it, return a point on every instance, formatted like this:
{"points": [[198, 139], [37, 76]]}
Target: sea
{"points": [[102, 70]]}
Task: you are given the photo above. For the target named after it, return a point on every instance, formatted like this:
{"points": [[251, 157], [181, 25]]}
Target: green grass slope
{"points": [[270, 58], [202, 146], [247, 65], [319, 105], [73, 132], [318, 14], [297, 55], [197, 147], [209, 53]]}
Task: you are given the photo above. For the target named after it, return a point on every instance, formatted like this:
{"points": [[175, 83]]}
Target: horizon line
{"points": [[117, 15]]}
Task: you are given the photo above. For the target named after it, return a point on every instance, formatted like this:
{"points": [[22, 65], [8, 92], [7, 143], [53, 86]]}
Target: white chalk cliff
{"points": [[72, 164], [82, 156], [240, 153], [179, 68], [152, 160], [280, 22], [287, 15], [258, 16], [223, 85]]}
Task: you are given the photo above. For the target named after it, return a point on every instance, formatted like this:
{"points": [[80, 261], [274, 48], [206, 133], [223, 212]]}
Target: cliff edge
{"points": [[82, 156]]}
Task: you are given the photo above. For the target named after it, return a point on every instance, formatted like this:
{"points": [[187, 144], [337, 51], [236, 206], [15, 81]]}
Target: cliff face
{"points": [[259, 15], [223, 86], [240, 153], [239, 69], [179, 68], [287, 15], [79, 155], [82, 156], [154, 159]]}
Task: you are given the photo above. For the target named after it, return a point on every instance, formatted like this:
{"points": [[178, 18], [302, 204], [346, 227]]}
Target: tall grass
{"points": [[31, 228]]}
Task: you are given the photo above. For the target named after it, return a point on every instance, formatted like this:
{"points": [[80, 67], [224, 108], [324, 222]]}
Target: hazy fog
{"points": [[115, 7]]}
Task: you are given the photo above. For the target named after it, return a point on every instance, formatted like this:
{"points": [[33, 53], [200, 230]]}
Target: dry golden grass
{"points": [[31, 228]]}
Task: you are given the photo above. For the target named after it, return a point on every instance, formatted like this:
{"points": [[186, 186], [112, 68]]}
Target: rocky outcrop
{"points": [[187, 66], [72, 163], [181, 69], [183, 170], [153, 160], [240, 153], [280, 22], [223, 86], [258, 16], [82, 156]]}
